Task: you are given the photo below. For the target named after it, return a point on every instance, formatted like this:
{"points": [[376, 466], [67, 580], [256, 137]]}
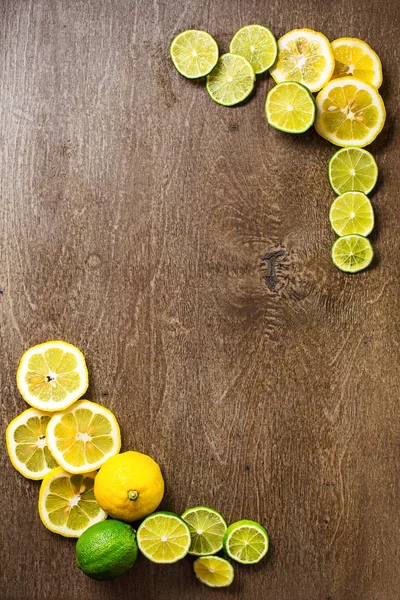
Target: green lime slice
{"points": [[350, 213], [163, 538], [246, 542], [207, 528], [352, 253], [231, 81], [352, 170], [290, 107], [214, 571], [194, 53], [257, 44]]}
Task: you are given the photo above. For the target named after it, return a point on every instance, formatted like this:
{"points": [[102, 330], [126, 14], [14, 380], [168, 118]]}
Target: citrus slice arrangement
{"points": [[93, 492]]}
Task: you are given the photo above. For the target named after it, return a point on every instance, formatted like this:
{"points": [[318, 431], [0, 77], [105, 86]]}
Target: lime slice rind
{"points": [[257, 44], [352, 213], [194, 53], [231, 81], [352, 253], [246, 542], [290, 107], [352, 170], [163, 538], [207, 528], [213, 571]]}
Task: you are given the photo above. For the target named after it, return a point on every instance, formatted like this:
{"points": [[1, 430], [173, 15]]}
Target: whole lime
{"points": [[106, 550]]}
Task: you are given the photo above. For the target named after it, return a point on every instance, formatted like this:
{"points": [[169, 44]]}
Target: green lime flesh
{"points": [[231, 81], [352, 253], [352, 213], [207, 528], [194, 53], [352, 170], [256, 44], [290, 107], [246, 542]]}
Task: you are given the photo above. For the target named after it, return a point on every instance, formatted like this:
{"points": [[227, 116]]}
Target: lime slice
{"points": [[352, 253], [194, 53], [207, 528], [163, 538], [26, 444], [352, 170], [231, 81], [349, 112], [67, 504], [246, 542], [257, 44], [290, 107], [53, 375], [83, 437], [214, 571], [352, 212]]}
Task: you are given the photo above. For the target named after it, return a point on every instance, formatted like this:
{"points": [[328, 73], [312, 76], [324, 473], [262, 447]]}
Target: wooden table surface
{"points": [[185, 248]]}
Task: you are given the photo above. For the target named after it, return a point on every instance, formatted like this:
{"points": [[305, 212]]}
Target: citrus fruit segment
{"points": [[207, 528], [129, 486], [53, 375], [194, 53], [305, 56], [356, 58], [352, 212], [231, 81], [163, 538], [352, 170], [214, 571], [352, 253], [67, 504], [257, 44], [83, 437], [349, 112], [290, 107], [246, 542], [26, 444], [106, 550]]}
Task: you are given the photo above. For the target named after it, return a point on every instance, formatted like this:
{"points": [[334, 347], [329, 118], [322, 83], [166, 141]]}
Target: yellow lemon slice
{"points": [[67, 504], [83, 437], [53, 375], [304, 56], [26, 444], [349, 112], [356, 58]]}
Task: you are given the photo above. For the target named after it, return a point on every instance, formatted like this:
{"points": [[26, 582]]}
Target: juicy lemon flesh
{"points": [[246, 544], [302, 60], [30, 444], [213, 571], [70, 502], [83, 437], [353, 60], [52, 375], [349, 113], [164, 538]]}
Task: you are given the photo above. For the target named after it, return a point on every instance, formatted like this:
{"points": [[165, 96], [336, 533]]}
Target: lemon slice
{"points": [[214, 571], [349, 112], [356, 58], [194, 53], [305, 56], [231, 81], [53, 375], [257, 44], [67, 504], [26, 444], [83, 437]]}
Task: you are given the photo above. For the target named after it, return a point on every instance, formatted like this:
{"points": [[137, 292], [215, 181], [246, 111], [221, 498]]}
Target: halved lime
{"points": [[257, 44], [194, 53], [352, 212], [246, 542], [231, 81], [207, 528], [352, 253], [290, 107], [352, 170], [214, 571], [163, 538]]}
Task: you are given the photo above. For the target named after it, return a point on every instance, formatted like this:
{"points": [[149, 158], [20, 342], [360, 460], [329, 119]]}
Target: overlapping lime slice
{"points": [[257, 44], [231, 81], [207, 528]]}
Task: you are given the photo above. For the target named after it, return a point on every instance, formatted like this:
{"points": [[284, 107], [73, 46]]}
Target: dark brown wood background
{"points": [[134, 217]]}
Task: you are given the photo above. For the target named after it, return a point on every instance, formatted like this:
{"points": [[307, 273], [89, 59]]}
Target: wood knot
{"points": [[270, 259]]}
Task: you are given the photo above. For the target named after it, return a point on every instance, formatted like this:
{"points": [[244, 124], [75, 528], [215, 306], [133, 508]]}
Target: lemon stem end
{"points": [[133, 495]]}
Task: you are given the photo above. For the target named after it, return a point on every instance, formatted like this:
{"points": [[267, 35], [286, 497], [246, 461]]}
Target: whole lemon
{"points": [[129, 486]]}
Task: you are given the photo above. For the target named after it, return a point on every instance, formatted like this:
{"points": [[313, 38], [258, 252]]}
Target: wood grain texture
{"points": [[185, 248]]}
